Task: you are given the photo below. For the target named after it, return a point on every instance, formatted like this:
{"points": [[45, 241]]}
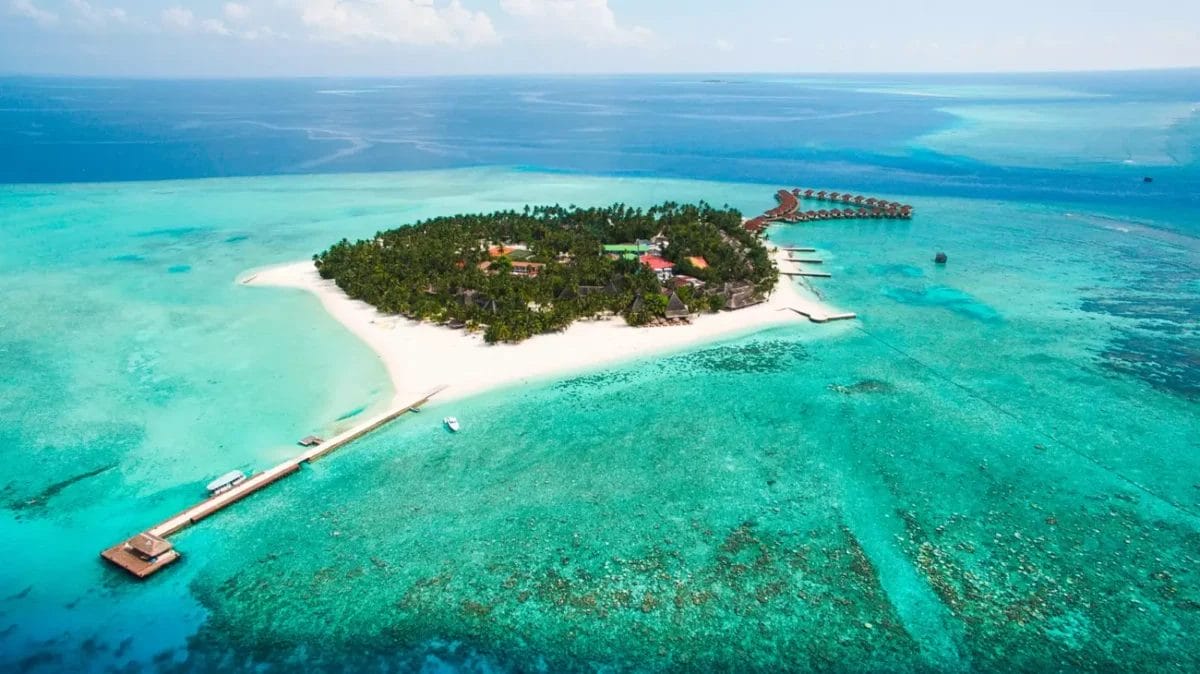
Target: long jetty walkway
{"points": [[150, 551], [854, 207]]}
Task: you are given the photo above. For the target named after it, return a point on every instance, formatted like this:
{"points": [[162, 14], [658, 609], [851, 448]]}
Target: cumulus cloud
{"points": [[416, 22], [178, 18], [590, 21], [94, 16], [235, 11], [184, 20], [215, 26], [28, 10]]}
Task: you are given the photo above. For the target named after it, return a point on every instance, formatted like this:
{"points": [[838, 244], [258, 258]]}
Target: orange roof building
{"points": [[698, 262]]}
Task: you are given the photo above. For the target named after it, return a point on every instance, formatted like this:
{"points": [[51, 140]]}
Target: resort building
{"points": [[629, 251], [526, 269], [741, 295], [529, 269], [663, 269], [507, 249], [698, 262]]}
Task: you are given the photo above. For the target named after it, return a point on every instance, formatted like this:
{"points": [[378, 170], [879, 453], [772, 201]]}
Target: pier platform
{"points": [[149, 552]]}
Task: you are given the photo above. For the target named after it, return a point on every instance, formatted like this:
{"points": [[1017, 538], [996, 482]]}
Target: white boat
{"points": [[452, 423], [226, 482]]}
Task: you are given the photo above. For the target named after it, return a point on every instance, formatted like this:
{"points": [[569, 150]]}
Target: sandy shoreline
{"points": [[419, 356]]}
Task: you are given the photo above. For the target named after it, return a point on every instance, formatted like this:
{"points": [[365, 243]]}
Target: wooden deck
{"points": [[121, 555], [125, 559]]}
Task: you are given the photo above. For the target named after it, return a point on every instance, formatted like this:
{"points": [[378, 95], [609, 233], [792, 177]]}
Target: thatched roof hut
{"points": [[149, 546], [676, 308]]}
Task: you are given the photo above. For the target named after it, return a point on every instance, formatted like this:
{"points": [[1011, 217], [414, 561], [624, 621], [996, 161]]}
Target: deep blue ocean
{"points": [[851, 131], [995, 468]]}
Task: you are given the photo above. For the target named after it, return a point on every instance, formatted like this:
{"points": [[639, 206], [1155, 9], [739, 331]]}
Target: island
{"points": [[467, 304], [514, 274]]}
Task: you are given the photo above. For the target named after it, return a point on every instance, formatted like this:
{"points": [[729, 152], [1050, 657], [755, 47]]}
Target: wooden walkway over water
{"points": [[131, 555], [817, 317]]}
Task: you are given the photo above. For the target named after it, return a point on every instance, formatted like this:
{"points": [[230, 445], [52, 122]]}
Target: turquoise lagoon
{"points": [[995, 469]]}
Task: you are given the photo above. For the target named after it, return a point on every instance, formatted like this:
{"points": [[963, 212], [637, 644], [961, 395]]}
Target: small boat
{"points": [[452, 424], [226, 482]]}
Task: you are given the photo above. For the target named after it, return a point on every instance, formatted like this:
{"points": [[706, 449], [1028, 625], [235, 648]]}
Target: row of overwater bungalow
{"points": [[864, 208]]}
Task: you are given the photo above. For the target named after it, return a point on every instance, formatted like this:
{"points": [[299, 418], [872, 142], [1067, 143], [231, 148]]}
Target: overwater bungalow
{"points": [[859, 199], [310, 441], [808, 194], [834, 196], [822, 194], [142, 555]]}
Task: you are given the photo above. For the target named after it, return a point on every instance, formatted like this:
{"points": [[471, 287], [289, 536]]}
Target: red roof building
{"points": [[664, 269]]}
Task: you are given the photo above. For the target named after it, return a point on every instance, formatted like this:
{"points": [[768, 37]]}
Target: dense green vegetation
{"points": [[432, 270]]}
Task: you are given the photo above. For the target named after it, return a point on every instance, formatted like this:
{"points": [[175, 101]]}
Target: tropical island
{"points": [[515, 274]]}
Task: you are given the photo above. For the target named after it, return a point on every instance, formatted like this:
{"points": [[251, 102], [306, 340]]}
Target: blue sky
{"points": [[398, 37]]}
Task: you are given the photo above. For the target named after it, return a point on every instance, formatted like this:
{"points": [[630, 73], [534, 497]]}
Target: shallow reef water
{"points": [[993, 469]]}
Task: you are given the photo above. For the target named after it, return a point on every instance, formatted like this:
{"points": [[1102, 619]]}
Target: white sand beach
{"points": [[421, 356]]}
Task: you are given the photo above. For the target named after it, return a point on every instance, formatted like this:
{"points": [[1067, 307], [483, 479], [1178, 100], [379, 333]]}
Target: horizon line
{"points": [[665, 73]]}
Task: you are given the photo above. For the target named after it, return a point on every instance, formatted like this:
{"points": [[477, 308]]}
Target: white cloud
{"points": [[28, 10], [183, 20], [92, 16], [214, 26], [178, 18], [260, 33], [417, 22], [591, 21], [723, 45], [235, 11]]}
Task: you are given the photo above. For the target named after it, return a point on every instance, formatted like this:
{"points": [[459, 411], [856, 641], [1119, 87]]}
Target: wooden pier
{"points": [[799, 250], [852, 207], [816, 317], [808, 274], [150, 551]]}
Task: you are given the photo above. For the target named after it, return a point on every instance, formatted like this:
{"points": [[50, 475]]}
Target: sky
{"points": [[247, 38]]}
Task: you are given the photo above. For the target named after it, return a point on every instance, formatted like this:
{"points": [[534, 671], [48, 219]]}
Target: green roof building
{"points": [[626, 249]]}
